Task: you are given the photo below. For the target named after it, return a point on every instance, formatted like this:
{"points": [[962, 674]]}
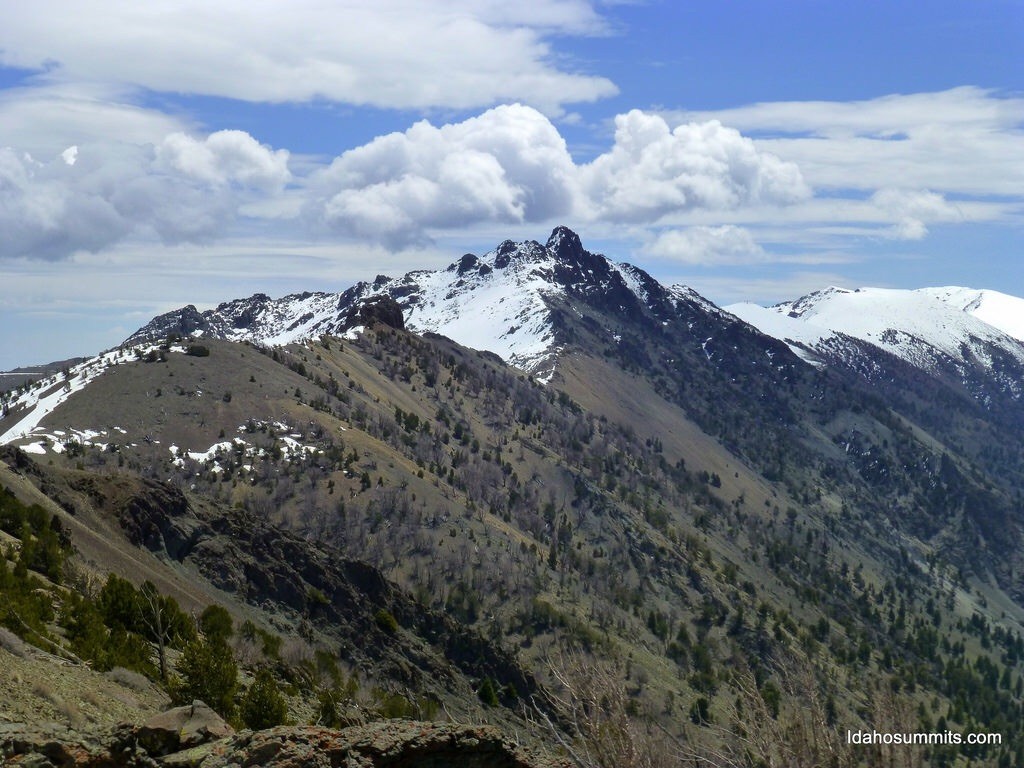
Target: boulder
{"points": [[181, 728]]}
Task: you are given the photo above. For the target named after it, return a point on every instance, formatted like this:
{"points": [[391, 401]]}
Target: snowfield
{"points": [[925, 327]]}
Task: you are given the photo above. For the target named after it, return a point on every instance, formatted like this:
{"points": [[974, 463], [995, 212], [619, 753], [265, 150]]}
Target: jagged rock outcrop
{"points": [[376, 309]]}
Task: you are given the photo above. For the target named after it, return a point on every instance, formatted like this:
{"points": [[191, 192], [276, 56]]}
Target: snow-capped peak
{"points": [[565, 244], [929, 327], [495, 302], [499, 302]]}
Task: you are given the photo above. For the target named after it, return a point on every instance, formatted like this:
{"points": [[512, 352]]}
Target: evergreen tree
{"points": [[215, 622], [263, 706], [488, 695], [208, 673]]}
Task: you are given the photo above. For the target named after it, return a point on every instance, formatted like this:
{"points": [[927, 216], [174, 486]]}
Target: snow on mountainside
{"points": [[497, 302], [929, 328], [997, 309], [28, 406]]}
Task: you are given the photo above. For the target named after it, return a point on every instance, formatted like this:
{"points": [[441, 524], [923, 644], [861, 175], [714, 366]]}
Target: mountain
{"points": [[499, 302], [932, 328], [674, 533], [947, 357]]}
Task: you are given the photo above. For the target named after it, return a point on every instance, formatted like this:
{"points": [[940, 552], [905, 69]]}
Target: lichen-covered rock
{"points": [[50, 745], [381, 744], [181, 728], [195, 739]]}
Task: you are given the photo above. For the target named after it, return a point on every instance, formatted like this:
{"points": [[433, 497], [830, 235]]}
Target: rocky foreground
{"points": [[194, 736]]}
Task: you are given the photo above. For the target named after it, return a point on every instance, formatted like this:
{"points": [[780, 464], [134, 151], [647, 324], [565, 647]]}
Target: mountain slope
{"points": [[707, 521], [999, 310]]}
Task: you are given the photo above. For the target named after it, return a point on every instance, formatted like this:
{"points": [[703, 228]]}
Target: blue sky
{"points": [[154, 155]]}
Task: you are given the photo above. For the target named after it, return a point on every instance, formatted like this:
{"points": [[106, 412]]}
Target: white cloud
{"points": [[43, 120], [385, 53], [508, 166], [713, 246], [653, 170], [884, 117], [711, 189], [511, 165], [966, 141], [225, 157], [49, 210]]}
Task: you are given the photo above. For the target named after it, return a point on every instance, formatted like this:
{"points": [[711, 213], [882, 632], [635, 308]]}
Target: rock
{"points": [[376, 309], [381, 744], [181, 728], [46, 744], [195, 737], [195, 757]]}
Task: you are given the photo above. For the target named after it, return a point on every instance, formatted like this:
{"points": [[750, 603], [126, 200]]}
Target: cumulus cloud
{"points": [[385, 53], [225, 157], [511, 165], [653, 170], [508, 166], [88, 199], [709, 246]]}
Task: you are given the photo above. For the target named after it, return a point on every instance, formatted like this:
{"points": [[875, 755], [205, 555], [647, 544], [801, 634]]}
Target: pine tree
{"points": [[263, 706], [209, 673]]}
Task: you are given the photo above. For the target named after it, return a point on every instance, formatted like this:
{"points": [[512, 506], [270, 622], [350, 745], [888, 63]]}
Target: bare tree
{"points": [[601, 727], [155, 614], [797, 735]]}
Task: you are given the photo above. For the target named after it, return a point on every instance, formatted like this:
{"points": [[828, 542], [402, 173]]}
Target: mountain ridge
{"points": [[498, 302], [494, 302]]}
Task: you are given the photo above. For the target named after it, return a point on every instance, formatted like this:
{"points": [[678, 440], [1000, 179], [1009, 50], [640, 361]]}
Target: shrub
{"points": [[386, 621], [327, 709], [488, 695], [129, 679], [393, 705], [11, 643], [197, 350], [271, 644]]}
